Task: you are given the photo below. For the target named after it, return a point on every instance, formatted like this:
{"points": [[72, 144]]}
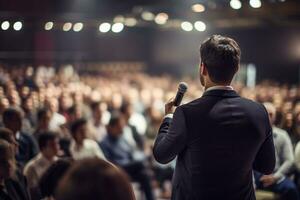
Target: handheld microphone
{"points": [[182, 88]]}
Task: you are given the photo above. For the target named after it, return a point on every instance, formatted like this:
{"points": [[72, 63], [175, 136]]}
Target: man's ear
{"points": [[203, 69]]}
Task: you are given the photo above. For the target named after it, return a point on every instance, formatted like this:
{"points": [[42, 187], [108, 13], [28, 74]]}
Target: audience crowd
{"points": [[67, 136]]}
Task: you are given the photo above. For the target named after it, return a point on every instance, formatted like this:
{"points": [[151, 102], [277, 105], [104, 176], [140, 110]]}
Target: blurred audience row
{"points": [[60, 127]]}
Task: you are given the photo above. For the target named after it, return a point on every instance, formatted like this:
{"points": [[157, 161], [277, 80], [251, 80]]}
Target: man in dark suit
{"points": [[12, 119], [220, 138]]}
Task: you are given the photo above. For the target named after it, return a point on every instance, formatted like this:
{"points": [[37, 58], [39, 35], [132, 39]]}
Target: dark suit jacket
{"points": [[15, 189], [27, 148], [218, 140]]}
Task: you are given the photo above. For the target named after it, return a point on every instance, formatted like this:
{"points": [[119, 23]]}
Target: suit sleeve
{"points": [[171, 138], [265, 158]]}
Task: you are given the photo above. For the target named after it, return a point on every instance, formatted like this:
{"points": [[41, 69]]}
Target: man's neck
{"points": [[79, 144], [97, 122], [216, 85], [48, 157]]}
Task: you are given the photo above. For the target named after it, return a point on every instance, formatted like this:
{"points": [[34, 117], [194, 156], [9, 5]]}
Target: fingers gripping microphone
{"points": [[182, 88]]}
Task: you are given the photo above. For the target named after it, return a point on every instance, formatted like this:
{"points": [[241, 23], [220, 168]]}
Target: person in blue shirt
{"points": [[117, 150]]}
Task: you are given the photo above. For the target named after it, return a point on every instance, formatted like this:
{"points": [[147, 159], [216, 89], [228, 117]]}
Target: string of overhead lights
{"points": [[118, 25], [120, 22], [17, 26]]}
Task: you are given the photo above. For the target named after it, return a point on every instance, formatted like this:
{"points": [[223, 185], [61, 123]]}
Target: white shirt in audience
{"points": [[297, 156], [139, 121], [89, 149], [98, 131], [56, 121], [36, 167]]}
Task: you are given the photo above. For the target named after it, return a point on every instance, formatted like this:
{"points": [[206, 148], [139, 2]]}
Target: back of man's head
{"points": [[94, 179], [12, 119], [11, 113], [221, 56]]}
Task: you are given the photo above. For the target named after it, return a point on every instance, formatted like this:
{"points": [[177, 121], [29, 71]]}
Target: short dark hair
{"points": [[94, 105], [221, 56], [94, 178], [42, 112], [76, 125], [45, 137], [115, 118], [125, 107], [10, 113], [6, 134]]}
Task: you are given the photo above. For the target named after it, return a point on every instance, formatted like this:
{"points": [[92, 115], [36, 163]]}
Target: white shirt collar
{"points": [[18, 134], [219, 87]]}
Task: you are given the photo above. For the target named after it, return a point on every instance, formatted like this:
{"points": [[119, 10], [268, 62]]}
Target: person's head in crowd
{"points": [[27, 105], [7, 161], [96, 111], [95, 179], [271, 111], [116, 124], [220, 60], [127, 110], [287, 121], [12, 119], [287, 107], [65, 102], [116, 101], [52, 105], [4, 104], [74, 113], [43, 118], [49, 144], [78, 130], [77, 98], [14, 98], [50, 179], [25, 91], [8, 135]]}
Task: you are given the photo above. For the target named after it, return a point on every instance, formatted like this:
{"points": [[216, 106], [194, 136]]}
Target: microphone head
{"points": [[182, 87]]}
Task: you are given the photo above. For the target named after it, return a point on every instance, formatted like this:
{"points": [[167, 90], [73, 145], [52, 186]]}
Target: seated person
{"points": [[12, 119], [8, 136], [130, 132], [49, 148], [117, 150], [43, 120], [98, 129], [82, 147], [10, 187], [94, 178], [278, 182]]}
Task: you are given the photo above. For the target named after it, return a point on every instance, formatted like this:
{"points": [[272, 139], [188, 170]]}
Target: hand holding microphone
{"points": [[182, 88]]}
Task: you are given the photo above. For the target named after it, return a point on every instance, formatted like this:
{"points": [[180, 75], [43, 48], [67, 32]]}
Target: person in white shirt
{"points": [[49, 148], [57, 120], [81, 147], [98, 128]]}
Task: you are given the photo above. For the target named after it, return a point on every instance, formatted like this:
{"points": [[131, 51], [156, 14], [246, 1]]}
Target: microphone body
{"points": [[182, 88]]}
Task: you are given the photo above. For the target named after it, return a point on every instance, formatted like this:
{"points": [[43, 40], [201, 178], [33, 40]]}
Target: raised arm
{"points": [[171, 138]]}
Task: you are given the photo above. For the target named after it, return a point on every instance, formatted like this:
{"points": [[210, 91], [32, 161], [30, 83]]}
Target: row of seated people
{"points": [[37, 152], [33, 161], [89, 178]]}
